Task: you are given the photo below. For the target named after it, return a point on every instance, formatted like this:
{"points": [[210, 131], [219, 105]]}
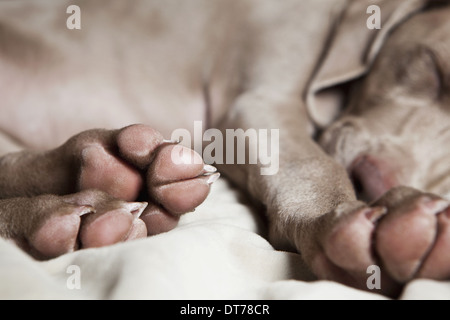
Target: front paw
{"points": [[405, 233], [135, 162]]}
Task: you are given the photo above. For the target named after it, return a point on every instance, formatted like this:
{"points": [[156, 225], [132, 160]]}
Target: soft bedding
{"points": [[217, 252]]}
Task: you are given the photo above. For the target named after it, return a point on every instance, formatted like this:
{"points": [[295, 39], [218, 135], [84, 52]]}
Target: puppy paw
{"points": [[136, 162], [405, 233], [122, 185], [55, 225]]}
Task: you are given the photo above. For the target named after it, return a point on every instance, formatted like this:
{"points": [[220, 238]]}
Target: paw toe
{"points": [[174, 163], [103, 171], [114, 221], [58, 234], [158, 220], [437, 263], [178, 180], [137, 144], [404, 237], [182, 196]]}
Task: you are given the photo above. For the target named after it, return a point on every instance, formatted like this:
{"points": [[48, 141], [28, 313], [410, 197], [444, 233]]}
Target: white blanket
{"points": [[217, 252]]}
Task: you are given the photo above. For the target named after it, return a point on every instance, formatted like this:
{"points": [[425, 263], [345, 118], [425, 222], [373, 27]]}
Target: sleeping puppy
{"points": [[369, 190]]}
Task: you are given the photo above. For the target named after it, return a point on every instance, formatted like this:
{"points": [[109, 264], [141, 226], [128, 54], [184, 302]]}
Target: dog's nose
{"points": [[372, 176]]}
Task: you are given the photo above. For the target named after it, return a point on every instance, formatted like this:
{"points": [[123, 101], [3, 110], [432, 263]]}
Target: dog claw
{"points": [[136, 208], [209, 169], [171, 141], [213, 178], [83, 210], [374, 214]]}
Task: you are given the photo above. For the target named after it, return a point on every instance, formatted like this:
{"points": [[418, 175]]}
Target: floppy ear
{"points": [[351, 50]]}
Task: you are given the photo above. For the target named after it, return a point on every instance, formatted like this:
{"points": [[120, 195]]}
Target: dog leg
{"points": [[308, 184], [58, 224]]}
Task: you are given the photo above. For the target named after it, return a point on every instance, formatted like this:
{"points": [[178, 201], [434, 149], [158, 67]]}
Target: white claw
{"points": [[209, 168], [213, 178], [136, 208], [171, 141], [86, 210]]}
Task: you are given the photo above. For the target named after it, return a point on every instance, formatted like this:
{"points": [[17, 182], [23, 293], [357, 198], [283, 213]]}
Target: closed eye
{"points": [[421, 74], [438, 71]]}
